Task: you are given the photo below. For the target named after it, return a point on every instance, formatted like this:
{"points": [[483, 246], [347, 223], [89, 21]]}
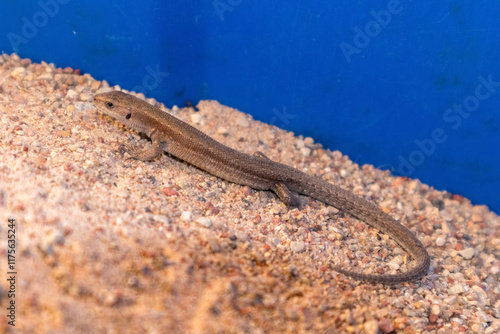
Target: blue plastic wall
{"points": [[409, 86]]}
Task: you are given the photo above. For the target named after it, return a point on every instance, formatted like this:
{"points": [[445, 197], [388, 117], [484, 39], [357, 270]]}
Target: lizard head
{"points": [[124, 108]]}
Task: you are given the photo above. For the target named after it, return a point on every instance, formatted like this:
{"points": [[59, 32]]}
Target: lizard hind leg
{"points": [[286, 195], [280, 189]]}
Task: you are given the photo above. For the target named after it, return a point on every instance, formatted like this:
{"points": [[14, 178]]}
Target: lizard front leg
{"points": [[146, 154]]}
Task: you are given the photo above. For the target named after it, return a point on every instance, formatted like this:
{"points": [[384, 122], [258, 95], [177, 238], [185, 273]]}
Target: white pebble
{"points": [[222, 130], [241, 120], [17, 72], [308, 141], [298, 246], [393, 265], [45, 76], [204, 221], [456, 289], [72, 94], [196, 118], [160, 219], [186, 216], [306, 151], [450, 301], [440, 241], [467, 253], [371, 327], [81, 106], [398, 260], [85, 97]]}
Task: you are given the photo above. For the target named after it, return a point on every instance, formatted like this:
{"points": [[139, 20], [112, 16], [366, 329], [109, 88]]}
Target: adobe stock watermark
{"points": [[372, 29], [454, 117], [283, 117], [151, 80], [222, 6], [30, 28]]}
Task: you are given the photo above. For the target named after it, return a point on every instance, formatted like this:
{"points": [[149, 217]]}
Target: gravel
{"points": [[106, 244]]}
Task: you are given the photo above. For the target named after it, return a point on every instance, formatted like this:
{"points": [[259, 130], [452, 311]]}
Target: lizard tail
{"points": [[369, 213]]}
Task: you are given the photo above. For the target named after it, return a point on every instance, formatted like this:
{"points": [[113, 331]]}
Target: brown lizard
{"points": [[170, 134]]}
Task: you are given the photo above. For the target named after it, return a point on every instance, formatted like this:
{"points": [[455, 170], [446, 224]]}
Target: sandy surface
{"points": [[109, 245]]}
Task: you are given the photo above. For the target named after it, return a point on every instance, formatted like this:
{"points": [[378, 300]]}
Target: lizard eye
{"points": [[110, 105], [128, 116]]}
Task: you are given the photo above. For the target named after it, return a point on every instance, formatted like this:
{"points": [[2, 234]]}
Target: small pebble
{"points": [[161, 219], [82, 106], [419, 205], [298, 246], [371, 327], [95, 85], [467, 253], [46, 76], [440, 241], [17, 72], [477, 218], [393, 265], [222, 130], [308, 141], [72, 94], [186, 216], [204, 221], [85, 97], [169, 192], [386, 326], [306, 151], [242, 121], [450, 301], [457, 288], [196, 118]]}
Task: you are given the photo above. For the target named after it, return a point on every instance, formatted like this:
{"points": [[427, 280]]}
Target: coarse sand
{"points": [[105, 244]]}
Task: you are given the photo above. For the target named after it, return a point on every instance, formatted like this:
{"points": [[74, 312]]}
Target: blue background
{"points": [[283, 62]]}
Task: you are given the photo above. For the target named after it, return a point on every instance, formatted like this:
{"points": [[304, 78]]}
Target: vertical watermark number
{"points": [[11, 271]]}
